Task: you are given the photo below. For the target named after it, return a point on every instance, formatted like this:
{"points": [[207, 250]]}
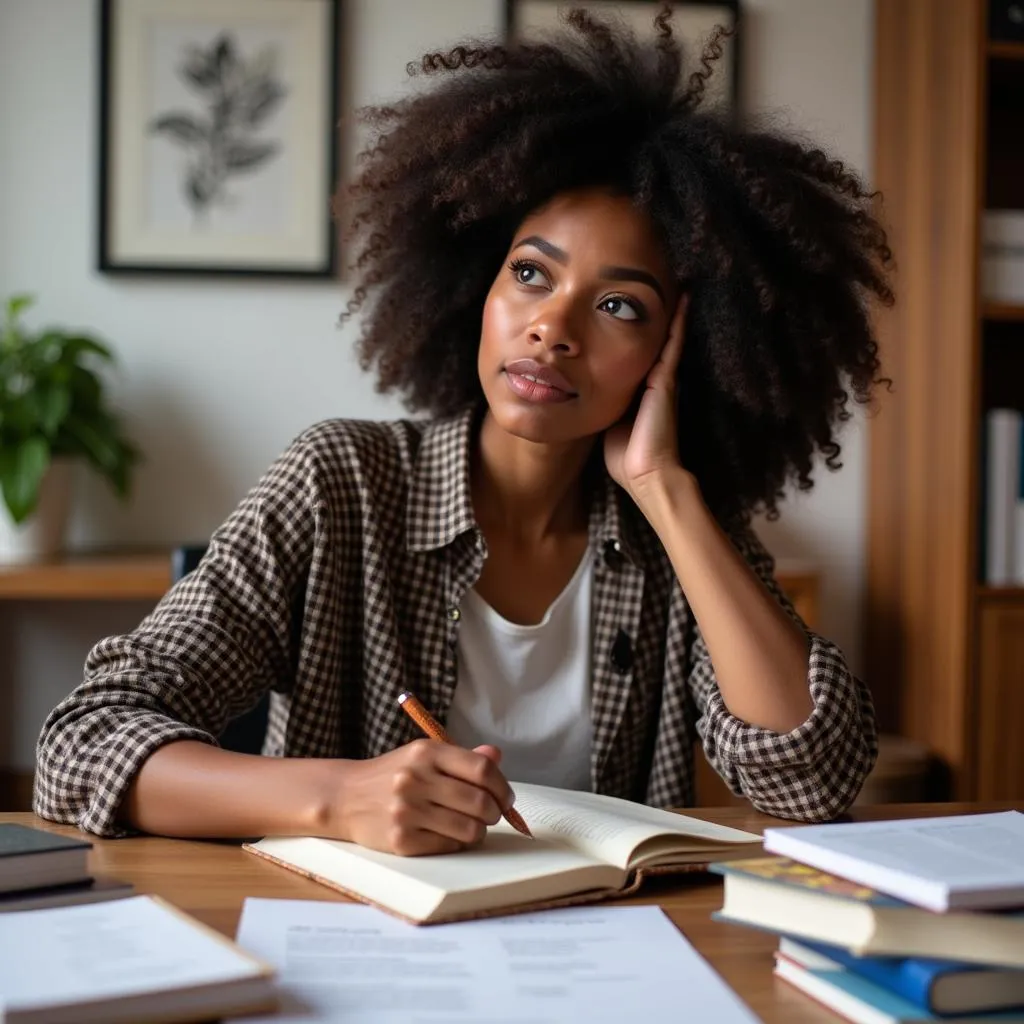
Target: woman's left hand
{"points": [[638, 452]]}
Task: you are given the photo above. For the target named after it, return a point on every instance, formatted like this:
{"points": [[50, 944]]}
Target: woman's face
{"points": [[575, 318]]}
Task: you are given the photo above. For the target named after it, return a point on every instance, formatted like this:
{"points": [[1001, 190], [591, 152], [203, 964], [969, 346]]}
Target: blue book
{"points": [[940, 987], [858, 1000]]}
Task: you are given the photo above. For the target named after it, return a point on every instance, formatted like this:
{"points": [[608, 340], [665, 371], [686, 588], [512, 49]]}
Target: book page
{"points": [[507, 868], [610, 829], [122, 948], [917, 859], [600, 965]]}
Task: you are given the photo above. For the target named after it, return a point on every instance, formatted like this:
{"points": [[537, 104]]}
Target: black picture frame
{"points": [[141, 226], [728, 12]]}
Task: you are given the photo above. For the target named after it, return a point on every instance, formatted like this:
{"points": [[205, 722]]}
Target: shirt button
{"points": [[622, 653], [613, 554], [454, 614]]}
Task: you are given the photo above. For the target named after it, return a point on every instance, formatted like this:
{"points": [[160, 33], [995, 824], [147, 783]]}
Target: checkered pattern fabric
{"points": [[374, 523]]}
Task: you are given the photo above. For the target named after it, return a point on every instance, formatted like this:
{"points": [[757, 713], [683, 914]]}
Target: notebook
{"points": [[585, 848], [134, 960]]}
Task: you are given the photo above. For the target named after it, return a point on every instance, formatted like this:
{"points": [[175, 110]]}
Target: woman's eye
{"points": [[619, 308], [527, 273]]}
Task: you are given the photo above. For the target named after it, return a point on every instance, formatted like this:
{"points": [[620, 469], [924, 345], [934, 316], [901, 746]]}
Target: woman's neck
{"points": [[532, 490]]}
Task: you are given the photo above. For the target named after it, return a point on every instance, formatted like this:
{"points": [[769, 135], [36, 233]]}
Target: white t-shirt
{"points": [[526, 689]]}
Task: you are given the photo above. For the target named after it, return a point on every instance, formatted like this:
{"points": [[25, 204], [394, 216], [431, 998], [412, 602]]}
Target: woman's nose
{"points": [[552, 327]]}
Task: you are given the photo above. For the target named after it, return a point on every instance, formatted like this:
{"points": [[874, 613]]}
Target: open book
{"points": [[586, 847]]}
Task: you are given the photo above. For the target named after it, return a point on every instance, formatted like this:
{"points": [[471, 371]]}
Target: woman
{"points": [[632, 322]]}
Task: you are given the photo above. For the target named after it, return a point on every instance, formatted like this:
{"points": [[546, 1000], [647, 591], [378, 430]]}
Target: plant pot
{"points": [[41, 536]]}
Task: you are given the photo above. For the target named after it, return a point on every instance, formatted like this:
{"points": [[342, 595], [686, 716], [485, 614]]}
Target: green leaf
{"points": [[86, 390], [98, 441], [17, 303], [74, 346], [52, 405], [21, 472], [11, 335]]}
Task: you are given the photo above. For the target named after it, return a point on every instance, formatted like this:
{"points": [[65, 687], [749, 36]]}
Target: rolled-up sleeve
{"points": [[812, 773], [217, 642]]}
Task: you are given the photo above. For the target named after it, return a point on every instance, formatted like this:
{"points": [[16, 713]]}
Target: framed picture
{"points": [[218, 136], [693, 21]]}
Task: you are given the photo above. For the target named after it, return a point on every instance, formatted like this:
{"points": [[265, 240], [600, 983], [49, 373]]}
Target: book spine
{"points": [[1018, 523], [906, 978], [1002, 467]]}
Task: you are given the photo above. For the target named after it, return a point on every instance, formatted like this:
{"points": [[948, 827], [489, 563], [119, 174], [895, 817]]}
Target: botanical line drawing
{"points": [[241, 94]]}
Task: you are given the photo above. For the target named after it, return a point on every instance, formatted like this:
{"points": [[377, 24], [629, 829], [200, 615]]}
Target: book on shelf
{"points": [[1002, 253], [960, 862], [1003, 498], [780, 895], [93, 890], [586, 847], [940, 987], [133, 960], [857, 999], [31, 858]]}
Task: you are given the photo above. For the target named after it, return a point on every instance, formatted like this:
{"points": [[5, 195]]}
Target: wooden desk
{"points": [[210, 880]]}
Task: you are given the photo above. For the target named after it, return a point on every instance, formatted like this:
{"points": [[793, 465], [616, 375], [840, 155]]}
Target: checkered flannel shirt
{"points": [[374, 523]]}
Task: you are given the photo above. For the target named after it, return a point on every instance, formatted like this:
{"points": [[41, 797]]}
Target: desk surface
{"points": [[210, 880]]}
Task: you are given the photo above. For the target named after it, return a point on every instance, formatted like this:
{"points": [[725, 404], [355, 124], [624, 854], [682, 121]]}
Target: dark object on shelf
{"points": [[1006, 21]]}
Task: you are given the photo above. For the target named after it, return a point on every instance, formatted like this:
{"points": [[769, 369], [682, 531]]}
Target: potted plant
{"points": [[53, 411]]}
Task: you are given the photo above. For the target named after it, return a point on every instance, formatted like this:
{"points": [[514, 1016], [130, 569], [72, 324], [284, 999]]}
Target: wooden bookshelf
{"points": [[998, 312], [1006, 51], [100, 576], [944, 652]]}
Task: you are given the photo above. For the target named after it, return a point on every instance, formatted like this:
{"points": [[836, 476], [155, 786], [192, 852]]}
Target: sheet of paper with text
{"points": [[347, 962]]}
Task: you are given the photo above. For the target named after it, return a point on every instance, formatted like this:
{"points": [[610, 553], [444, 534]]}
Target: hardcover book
{"points": [[783, 896]]}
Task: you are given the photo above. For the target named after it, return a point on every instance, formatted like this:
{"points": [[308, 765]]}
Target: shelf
{"points": [[987, 592], [1006, 51], [117, 576], [1002, 311], [146, 576]]}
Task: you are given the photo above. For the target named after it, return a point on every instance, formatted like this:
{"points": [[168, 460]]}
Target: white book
{"points": [[1002, 256], [1002, 488], [962, 862], [132, 960]]}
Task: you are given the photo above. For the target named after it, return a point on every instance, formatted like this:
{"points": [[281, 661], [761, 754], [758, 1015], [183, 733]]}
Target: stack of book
{"points": [[893, 921], [42, 869]]}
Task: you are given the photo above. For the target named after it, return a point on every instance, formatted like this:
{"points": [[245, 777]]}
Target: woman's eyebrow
{"points": [[558, 255], [633, 274], [608, 273]]}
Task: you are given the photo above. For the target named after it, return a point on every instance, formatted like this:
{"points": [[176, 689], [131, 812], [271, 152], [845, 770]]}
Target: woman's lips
{"points": [[535, 390], [536, 382]]}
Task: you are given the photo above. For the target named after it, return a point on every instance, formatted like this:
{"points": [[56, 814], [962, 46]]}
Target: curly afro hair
{"points": [[775, 241]]}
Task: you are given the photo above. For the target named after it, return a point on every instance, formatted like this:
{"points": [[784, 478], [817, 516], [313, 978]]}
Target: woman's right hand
{"points": [[425, 797]]}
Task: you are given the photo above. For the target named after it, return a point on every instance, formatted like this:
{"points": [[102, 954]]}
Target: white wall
{"points": [[217, 376]]}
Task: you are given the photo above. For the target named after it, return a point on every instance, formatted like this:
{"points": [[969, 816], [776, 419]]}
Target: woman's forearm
{"points": [[191, 789], [760, 656]]}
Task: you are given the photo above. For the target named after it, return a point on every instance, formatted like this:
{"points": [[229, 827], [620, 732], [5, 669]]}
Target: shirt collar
{"points": [[439, 507]]}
